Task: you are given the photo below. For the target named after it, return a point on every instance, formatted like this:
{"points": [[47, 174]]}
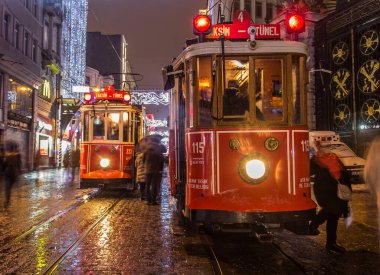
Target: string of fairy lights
{"points": [[74, 29]]}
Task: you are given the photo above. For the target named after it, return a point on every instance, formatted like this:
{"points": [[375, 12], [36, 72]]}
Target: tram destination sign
{"points": [[238, 29], [106, 95]]}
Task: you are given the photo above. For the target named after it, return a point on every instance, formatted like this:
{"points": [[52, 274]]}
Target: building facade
{"points": [[20, 73], [108, 55], [348, 98]]}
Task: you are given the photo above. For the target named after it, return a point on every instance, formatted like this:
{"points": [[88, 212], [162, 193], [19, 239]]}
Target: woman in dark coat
{"points": [[328, 171]]}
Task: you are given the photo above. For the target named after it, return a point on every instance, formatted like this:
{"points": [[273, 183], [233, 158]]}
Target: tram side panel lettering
{"points": [[127, 158], [199, 165], [301, 162]]}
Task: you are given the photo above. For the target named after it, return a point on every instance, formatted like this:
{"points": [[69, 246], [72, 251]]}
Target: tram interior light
{"points": [[295, 22], [255, 169], [115, 117], [125, 116]]}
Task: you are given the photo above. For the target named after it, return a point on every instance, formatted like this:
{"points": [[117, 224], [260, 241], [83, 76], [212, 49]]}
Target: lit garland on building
{"points": [[150, 98], [74, 29]]}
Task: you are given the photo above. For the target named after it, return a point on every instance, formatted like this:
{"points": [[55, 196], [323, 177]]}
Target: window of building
{"points": [[45, 43], [26, 43], [55, 39], [35, 8], [27, 4], [6, 25], [269, 12], [16, 35], [19, 99], [34, 50], [248, 6], [259, 10]]}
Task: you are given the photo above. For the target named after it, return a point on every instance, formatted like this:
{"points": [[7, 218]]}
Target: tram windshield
{"points": [[252, 89], [108, 126]]}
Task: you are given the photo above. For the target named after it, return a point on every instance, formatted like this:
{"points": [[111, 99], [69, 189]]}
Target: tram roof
{"points": [[233, 47]]}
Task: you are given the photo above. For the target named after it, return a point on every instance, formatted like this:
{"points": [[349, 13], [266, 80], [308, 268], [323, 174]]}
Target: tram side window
{"points": [[86, 123], [126, 126], [98, 126], [269, 89], [236, 97], [296, 90], [113, 126], [204, 91]]}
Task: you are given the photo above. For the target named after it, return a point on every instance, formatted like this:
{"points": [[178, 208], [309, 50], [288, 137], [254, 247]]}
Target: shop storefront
{"points": [[44, 142], [20, 109]]}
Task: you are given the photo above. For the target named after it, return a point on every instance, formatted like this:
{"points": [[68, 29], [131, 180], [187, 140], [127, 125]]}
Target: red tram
{"points": [[111, 128], [238, 145]]}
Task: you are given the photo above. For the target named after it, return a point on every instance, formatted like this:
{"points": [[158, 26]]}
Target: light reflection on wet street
{"points": [[48, 213]]}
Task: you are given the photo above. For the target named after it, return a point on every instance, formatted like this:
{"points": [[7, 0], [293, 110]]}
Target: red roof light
{"points": [[295, 23], [202, 24]]}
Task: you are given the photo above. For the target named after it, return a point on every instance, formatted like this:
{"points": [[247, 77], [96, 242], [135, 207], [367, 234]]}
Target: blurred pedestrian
{"points": [[140, 174], [12, 169], [154, 162], [328, 171], [372, 169]]}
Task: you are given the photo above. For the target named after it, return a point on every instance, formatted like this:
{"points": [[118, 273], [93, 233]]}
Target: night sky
{"points": [[155, 31]]}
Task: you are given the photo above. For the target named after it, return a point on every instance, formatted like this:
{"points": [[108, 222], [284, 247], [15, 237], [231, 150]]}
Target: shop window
{"points": [[20, 99], [269, 89]]}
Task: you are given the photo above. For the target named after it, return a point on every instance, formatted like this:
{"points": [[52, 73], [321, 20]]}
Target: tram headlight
{"points": [[253, 168], [104, 163]]}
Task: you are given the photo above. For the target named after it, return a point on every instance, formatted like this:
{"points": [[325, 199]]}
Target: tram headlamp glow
{"points": [[104, 163], [255, 169]]}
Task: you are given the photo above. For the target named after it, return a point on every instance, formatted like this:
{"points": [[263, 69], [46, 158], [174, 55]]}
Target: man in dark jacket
{"points": [[154, 162], [328, 170]]}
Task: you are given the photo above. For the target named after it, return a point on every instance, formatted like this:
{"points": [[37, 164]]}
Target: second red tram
{"points": [[239, 146], [110, 129]]}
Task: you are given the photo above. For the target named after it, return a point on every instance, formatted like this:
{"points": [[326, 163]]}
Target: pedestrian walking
{"points": [[329, 172], [154, 162], [140, 174], [372, 169], [12, 169]]}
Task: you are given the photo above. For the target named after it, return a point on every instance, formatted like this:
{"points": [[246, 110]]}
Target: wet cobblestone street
{"points": [[49, 215]]}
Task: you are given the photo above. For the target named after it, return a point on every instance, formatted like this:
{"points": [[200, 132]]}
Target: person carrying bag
{"points": [[329, 174]]}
